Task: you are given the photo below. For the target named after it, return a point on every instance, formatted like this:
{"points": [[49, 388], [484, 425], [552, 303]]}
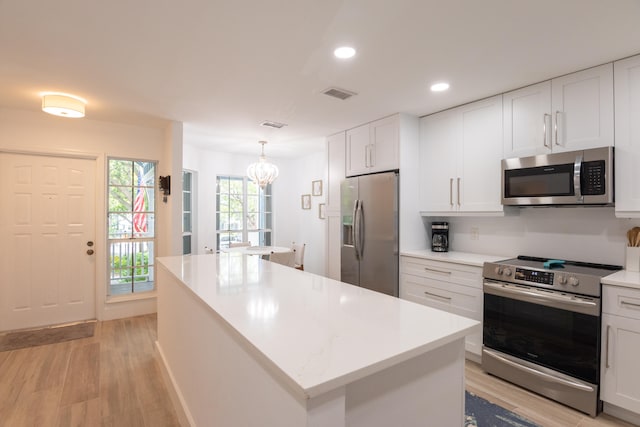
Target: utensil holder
{"points": [[633, 258]]}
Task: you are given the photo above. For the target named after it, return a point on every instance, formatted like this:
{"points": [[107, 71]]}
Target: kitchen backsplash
{"points": [[582, 234]]}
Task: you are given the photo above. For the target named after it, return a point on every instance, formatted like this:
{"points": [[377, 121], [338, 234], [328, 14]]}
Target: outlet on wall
{"points": [[475, 233]]}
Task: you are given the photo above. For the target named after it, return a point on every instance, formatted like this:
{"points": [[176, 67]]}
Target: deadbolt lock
{"points": [[89, 243]]}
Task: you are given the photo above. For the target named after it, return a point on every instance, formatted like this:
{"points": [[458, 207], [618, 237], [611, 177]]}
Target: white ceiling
{"points": [[223, 67]]}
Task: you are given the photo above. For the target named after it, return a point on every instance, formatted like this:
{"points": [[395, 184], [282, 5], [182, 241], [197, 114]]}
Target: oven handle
{"points": [[542, 375], [546, 298]]}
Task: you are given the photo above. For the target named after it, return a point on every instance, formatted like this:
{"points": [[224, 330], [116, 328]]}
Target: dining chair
{"points": [[299, 258], [284, 258], [239, 244]]}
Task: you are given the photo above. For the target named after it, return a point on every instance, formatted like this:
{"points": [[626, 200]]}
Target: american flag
{"points": [[139, 217]]}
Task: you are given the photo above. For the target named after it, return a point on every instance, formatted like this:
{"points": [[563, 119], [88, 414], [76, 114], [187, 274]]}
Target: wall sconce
{"points": [[165, 187], [63, 105]]}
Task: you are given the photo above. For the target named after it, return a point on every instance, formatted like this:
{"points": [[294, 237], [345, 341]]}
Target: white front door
{"points": [[47, 229]]}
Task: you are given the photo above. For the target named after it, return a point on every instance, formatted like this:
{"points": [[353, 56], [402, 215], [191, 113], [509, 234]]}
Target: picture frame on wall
{"points": [[306, 201], [316, 187], [321, 211]]}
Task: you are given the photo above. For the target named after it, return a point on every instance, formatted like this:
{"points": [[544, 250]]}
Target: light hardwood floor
{"points": [[110, 379], [114, 379], [536, 408]]}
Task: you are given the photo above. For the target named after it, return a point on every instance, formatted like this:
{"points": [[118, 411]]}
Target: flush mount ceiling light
{"points": [[344, 52], [63, 105], [262, 172], [439, 87]]}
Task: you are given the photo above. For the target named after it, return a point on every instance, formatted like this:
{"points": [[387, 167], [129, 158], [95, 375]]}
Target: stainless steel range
{"points": [[541, 327]]}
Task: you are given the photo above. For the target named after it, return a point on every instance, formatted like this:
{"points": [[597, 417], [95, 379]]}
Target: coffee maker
{"points": [[440, 236]]}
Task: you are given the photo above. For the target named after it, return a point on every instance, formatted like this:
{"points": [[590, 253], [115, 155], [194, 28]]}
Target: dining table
{"points": [[257, 250]]}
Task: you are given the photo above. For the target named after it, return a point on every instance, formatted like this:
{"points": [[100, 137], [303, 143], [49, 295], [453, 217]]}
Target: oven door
{"points": [[556, 330]]}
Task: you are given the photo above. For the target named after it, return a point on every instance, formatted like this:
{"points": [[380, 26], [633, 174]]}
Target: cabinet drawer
{"points": [[461, 274], [621, 301], [456, 299]]}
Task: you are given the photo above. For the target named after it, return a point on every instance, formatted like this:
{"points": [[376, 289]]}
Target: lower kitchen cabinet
{"points": [[452, 287], [620, 376]]}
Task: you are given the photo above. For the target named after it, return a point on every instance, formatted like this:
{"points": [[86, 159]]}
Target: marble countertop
{"points": [[321, 333], [628, 279], [453, 256]]}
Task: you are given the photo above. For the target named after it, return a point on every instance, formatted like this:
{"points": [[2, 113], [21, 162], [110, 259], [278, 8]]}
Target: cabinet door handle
{"points": [[606, 349], [437, 270], [372, 155], [437, 296], [544, 129], [632, 304], [556, 128], [458, 191], [451, 191], [366, 156]]}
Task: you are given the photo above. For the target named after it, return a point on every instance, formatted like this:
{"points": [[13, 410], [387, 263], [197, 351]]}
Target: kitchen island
{"points": [[246, 342]]}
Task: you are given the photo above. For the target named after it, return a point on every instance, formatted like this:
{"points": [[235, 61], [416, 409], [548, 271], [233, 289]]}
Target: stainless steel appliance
{"points": [[369, 251], [541, 327], [440, 236], [572, 178]]}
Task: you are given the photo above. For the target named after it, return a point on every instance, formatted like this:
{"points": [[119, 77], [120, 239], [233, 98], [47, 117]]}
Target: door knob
{"points": [[89, 251], [89, 243]]}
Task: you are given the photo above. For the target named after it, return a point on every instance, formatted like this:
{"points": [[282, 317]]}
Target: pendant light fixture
{"points": [[262, 172]]}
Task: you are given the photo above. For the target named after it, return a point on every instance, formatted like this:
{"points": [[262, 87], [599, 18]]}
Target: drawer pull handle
{"points": [[437, 296], [437, 271], [629, 303]]}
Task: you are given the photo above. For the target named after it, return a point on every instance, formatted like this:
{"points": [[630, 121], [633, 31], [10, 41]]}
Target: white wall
{"points": [[40, 133], [591, 234], [291, 222]]}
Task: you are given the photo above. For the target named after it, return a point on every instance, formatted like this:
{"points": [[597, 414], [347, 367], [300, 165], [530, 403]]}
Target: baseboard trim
{"points": [[182, 411], [621, 413]]}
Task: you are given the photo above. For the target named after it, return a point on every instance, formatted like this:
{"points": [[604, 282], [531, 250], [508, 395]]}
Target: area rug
{"points": [[481, 413], [48, 335]]}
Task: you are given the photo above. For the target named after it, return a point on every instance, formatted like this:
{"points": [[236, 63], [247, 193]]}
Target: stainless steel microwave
{"points": [[582, 177]]}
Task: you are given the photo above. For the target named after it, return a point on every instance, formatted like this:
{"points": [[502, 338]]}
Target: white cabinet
{"points": [[627, 125], [567, 113], [460, 154], [335, 175], [620, 376], [455, 288], [373, 147]]}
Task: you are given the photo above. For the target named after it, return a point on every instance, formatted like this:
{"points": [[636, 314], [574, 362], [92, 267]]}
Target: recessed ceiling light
{"points": [[439, 87], [344, 52]]}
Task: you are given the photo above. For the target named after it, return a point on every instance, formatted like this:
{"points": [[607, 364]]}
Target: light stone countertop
{"points": [[457, 257], [625, 278], [321, 333]]}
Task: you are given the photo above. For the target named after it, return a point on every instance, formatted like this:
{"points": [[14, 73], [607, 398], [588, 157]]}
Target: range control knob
{"points": [[498, 270], [562, 280], [573, 281], [507, 272]]}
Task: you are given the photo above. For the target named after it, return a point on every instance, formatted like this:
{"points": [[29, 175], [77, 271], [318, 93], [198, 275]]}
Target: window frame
{"points": [[134, 240], [265, 201]]}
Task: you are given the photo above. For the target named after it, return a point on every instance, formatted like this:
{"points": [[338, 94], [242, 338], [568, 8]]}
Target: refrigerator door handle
{"points": [[360, 214], [354, 227]]}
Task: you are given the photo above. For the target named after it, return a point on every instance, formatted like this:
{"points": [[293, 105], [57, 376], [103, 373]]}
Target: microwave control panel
{"points": [[535, 276], [592, 180]]}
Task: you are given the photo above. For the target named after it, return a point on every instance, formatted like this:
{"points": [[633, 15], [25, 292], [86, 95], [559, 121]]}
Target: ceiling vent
{"points": [[339, 93], [271, 124]]}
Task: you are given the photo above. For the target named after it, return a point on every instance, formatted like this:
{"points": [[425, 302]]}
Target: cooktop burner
{"points": [[562, 275]]}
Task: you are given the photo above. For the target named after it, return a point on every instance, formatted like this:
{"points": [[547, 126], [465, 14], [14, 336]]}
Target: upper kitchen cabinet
{"points": [[460, 154], [567, 113], [627, 125], [373, 147]]}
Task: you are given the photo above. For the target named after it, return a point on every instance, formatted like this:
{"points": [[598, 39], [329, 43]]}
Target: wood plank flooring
{"points": [[110, 379], [536, 408], [114, 379]]}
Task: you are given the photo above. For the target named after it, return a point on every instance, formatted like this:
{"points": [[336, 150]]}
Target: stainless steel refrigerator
{"points": [[369, 250]]}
